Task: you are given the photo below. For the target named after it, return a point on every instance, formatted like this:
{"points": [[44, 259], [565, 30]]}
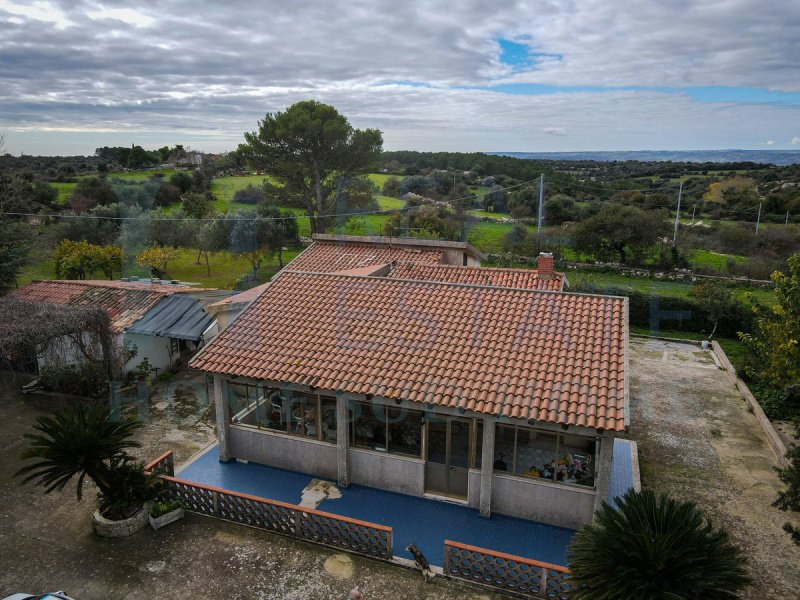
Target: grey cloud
{"points": [[218, 67]]}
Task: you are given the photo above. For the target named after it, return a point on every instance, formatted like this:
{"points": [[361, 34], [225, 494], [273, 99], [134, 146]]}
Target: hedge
{"points": [[657, 312]]}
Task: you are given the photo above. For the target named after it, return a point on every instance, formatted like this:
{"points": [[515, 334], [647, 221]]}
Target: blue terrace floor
{"points": [[423, 522]]}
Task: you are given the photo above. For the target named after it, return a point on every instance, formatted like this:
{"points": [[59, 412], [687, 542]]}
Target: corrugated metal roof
{"points": [[179, 316]]}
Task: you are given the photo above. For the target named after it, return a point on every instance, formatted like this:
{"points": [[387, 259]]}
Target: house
{"points": [[377, 363], [163, 321], [400, 258]]}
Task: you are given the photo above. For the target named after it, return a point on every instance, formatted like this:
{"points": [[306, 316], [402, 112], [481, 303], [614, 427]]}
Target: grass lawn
{"points": [[488, 236], [225, 187], [226, 269], [664, 288], [389, 203], [380, 178], [714, 260], [64, 191], [490, 215], [142, 175]]}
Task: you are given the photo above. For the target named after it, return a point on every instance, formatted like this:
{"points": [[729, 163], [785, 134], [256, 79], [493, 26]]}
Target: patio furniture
{"points": [[276, 401]]}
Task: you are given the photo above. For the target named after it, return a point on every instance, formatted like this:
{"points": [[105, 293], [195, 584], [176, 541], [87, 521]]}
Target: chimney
{"points": [[545, 265]]}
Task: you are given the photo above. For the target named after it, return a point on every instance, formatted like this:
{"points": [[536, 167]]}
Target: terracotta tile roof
{"points": [[126, 302], [329, 257], [524, 354], [514, 278], [244, 297], [422, 243]]}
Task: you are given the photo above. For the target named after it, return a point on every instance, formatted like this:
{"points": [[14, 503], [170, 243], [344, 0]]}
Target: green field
{"points": [[663, 288], [64, 191], [714, 260], [226, 269]]}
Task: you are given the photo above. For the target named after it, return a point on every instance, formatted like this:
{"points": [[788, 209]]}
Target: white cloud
{"points": [[795, 141], [126, 15], [218, 67], [770, 142], [38, 11]]}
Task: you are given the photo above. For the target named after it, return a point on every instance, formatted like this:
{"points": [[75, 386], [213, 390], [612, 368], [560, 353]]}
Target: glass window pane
{"points": [[369, 427], [329, 419], [273, 411], [504, 448], [578, 452], [303, 414], [536, 454], [478, 443], [405, 432]]}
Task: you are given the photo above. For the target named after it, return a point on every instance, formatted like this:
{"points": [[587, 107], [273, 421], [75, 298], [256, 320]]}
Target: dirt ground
{"points": [[698, 441], [47, 543]]}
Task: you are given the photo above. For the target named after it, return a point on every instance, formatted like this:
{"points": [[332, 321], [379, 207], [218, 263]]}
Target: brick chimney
{"points": [[545, 265]]}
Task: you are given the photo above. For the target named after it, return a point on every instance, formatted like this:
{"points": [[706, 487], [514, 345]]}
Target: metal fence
{"points": [[509, 573], [307, 524]]}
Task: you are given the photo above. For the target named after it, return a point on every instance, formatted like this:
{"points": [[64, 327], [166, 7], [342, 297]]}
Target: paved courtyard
{"points": [[698, 441]]}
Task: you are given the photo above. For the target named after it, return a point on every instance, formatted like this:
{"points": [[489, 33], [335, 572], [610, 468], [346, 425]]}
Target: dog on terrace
{"points": [[423, 563]]}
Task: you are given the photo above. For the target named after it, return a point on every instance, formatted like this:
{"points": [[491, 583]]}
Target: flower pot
{"points": [[124, 528], [166, 519]]}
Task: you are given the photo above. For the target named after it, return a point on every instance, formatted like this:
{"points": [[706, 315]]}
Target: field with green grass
{"points": [[663, 288], [714, 260], [226, 269], [64, 191], [141, 175]]}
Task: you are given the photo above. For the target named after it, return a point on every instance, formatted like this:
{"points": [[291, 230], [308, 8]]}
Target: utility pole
{"points": [[677, 214], [694, 208], [758, 219], [786, 224], [541, 205]]}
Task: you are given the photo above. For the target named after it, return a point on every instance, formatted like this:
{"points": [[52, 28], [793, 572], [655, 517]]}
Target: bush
{"points": [[249, 195], [675, 313], [162, 508], [777, 403], [80, 380]]}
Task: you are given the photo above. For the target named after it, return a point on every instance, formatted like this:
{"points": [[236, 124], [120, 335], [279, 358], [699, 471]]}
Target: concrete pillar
{"points": [[487, 466], [603, 470], [223, 417], [342, 439]]}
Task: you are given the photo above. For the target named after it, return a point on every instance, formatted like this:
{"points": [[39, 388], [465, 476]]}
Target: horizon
{"points": [[432, 76]]}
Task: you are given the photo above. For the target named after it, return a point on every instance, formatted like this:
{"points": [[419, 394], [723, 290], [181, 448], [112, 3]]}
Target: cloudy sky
{"points": [[537, 75]]}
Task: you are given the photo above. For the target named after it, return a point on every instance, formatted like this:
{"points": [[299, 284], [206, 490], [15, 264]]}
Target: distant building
{"points": [[165, 322]]}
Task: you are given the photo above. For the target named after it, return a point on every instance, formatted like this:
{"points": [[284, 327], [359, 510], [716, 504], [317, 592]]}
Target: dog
{"points": [[419, 558]]}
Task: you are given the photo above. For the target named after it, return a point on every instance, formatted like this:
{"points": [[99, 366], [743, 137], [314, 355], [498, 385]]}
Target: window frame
{"points": [[512, 464]]}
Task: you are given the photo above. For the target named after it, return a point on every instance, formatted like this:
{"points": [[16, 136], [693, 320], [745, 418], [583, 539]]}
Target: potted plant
{"points": [[166, 512], [81, 441]]}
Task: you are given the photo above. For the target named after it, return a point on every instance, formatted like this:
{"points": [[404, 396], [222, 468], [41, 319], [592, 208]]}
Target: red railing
{"points": [[163, 464], [523, 576], [279, 517]]}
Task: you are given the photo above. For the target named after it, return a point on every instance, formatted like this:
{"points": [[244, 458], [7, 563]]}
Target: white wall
{"points": [[155, 348]]}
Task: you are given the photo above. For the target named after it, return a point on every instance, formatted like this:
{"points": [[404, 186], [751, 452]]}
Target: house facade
{"points": [[378, 364], [164, 322]]}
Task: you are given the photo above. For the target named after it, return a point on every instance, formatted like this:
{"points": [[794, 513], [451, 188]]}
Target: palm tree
{"points": [[81, 440], [654, 548]]}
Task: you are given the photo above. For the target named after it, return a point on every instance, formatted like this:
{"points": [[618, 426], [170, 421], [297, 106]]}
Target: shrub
{"points": [[654, 547], [87, 380], [162, 508], [249, 195]]}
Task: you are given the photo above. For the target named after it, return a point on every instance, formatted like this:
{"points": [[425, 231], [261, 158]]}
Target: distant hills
{"points": [[775, 157]]}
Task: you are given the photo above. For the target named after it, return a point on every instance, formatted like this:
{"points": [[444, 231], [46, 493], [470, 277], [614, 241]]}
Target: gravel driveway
{"points": [[698, 441]]}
